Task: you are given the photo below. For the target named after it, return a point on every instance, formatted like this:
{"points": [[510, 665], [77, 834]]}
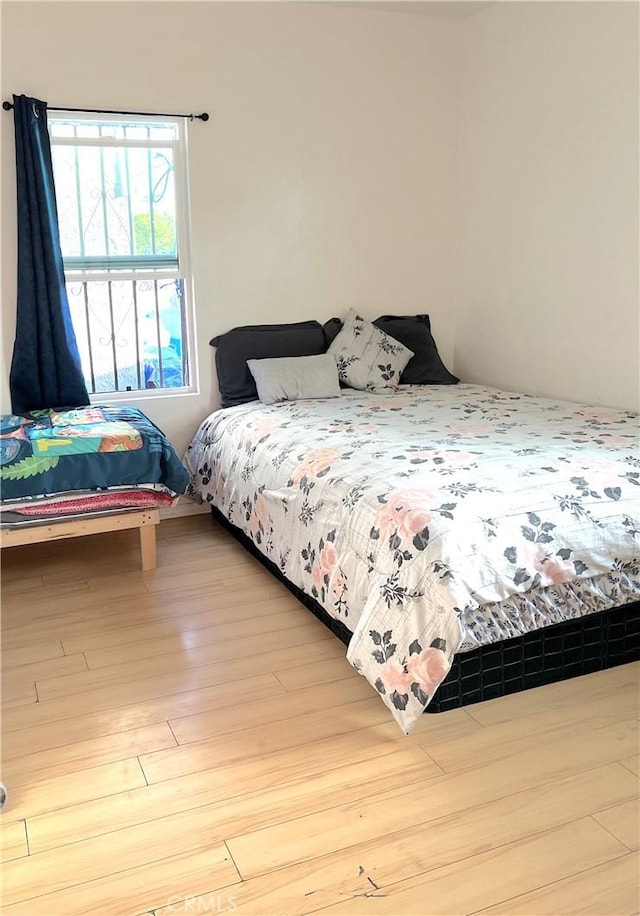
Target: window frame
{"points": [[183, 269]]}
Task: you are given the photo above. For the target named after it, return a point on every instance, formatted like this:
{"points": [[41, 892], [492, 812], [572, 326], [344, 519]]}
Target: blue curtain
{"points": [[45, 369]]}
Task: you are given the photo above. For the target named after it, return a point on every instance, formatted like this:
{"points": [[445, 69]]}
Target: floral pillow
{"points": [[367, 358]]}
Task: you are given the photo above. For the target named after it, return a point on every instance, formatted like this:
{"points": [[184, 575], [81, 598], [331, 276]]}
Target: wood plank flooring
{"points": [[192, 740]]}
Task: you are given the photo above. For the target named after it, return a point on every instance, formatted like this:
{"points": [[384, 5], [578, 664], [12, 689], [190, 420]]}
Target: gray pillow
{"points": [[261, 341], [292, 377], [367, 358]]}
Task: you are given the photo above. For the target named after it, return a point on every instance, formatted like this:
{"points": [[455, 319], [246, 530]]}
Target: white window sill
{"points": [[144, 394]]}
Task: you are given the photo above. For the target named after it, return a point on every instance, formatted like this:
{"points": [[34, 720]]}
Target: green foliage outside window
{"points": [[165, 233]]}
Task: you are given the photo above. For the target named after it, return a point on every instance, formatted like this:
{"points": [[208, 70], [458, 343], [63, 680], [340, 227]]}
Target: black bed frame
{"points": [[555, 653]]}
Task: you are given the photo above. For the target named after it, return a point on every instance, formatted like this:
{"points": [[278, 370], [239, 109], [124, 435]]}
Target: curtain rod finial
{"points": [[204, 116], [8, 106]]}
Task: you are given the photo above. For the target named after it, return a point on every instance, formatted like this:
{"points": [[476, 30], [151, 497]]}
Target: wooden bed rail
{"points": [[144, 519]]}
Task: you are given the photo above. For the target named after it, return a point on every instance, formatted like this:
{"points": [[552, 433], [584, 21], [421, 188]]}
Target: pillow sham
{"points": [[414, 331], [366, 357], [292, 377], [233, 349]]}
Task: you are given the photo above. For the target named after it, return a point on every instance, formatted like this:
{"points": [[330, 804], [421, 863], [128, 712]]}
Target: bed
{"points": [[464, 541], [69, 473]]}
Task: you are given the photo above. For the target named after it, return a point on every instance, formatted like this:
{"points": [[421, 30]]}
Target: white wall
{"points": [[343, 165], [323, 179], [547, 295]]}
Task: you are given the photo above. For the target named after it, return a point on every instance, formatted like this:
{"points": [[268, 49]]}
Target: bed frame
{"points": [[144, 519], [555, 653]]}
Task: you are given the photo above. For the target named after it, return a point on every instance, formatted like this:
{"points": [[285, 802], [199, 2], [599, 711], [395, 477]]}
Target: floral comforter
{"points": [[401, 514]]}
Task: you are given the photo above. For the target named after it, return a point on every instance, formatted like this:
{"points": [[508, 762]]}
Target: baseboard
{"points": [[183, 507]]}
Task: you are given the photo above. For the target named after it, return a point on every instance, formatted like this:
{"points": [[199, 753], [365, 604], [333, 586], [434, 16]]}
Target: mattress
{"points": [[420, 520]]}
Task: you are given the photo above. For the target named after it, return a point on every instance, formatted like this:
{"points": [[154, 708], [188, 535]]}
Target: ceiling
{"points": [[452, 9]]}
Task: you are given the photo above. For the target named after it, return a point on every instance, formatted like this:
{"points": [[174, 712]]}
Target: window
{"points": [[121, 188]]}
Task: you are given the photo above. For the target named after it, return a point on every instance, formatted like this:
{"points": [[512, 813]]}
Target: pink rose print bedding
{"points": [[432, 520]]}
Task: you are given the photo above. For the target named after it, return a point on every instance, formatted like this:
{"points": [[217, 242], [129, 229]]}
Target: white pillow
{"points": [[366, 357], [288, 378]]}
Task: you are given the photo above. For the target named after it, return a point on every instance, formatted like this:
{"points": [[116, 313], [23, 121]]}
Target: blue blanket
{"points": [[85, 448]]}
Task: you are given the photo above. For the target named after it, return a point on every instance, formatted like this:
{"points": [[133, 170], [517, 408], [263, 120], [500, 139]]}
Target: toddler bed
{"points": [[67, 473], [465, 542]]}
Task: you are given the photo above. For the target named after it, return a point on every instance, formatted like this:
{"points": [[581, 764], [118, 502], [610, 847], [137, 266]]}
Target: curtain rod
{"points": [[145, 114]]}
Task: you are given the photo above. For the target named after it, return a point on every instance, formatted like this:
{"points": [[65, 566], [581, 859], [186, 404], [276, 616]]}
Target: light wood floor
{"points": [[195, 733]]}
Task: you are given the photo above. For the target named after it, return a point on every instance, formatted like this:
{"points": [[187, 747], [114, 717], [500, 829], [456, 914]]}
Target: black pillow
{"points": [[331, 329], [414, 331], [261, 341]]}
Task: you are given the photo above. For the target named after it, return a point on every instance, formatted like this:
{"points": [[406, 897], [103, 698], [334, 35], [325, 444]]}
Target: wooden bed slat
{"points": [[145, 519]]}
